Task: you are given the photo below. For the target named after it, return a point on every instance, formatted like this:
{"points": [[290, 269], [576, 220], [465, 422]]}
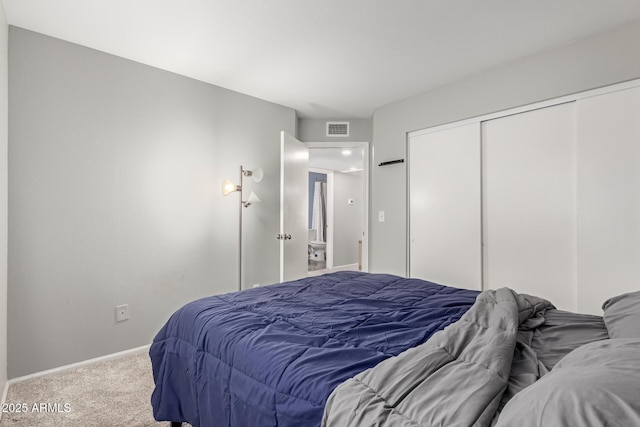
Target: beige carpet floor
{"points": [[113, 392]]}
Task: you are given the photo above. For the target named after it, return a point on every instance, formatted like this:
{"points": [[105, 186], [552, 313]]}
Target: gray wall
{"points": [[4, 40], [315, 130], [347, 223], [115, 198], [601, 60]]}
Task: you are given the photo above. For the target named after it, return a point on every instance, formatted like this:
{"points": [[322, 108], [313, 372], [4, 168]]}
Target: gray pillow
{"points": [[597, 384], [622, 315]]}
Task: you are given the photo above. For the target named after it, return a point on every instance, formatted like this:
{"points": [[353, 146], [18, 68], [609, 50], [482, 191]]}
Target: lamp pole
{"points": [[240, 231], [229, 187]]}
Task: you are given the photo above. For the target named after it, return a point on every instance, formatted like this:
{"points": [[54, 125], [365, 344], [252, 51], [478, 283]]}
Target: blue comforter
{"points": [[271, 356]]}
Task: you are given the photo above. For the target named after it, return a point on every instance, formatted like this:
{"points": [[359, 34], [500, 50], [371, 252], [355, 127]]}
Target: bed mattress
{"points": [[272, 355]]}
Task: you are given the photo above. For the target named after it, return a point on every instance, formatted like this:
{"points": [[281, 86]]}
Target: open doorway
{"points": [[338, 207]]}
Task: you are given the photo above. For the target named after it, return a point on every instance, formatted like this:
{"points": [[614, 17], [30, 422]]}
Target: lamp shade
{"points": [[257, 174], [253, 198], [228, 187]]}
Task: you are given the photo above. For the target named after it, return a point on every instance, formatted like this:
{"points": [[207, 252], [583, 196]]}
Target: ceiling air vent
{"points": [[337, 128]]}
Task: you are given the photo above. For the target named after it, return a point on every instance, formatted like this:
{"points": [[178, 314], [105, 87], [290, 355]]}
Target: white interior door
{"points": [[444, 206], [608, 197], [294, 201], [529, 203]]}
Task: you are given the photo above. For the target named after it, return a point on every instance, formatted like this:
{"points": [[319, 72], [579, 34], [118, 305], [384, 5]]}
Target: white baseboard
{"points": [[72, 366]]}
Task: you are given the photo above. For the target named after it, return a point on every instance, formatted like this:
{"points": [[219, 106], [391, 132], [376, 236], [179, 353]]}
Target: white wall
{"points": [[598, 61], [347, 227], [115, 198], [4, 40]]}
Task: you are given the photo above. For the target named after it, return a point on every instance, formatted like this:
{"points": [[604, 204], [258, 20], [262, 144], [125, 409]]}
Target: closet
{"points": [[544, 200], [608, 197], [444, 207]]}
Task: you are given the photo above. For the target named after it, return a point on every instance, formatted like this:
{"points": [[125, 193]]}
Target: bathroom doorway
{"points": [[338, 207], [318, 218]]}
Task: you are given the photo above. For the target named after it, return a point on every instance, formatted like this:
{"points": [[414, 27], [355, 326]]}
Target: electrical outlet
{"points": [[122, 313], [380, 216], [256, 285]]}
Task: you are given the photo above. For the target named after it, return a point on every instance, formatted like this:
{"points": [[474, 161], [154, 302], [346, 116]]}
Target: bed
{"points": [[353, 349]]}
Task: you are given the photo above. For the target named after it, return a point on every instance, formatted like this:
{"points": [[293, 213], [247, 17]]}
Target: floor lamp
{"points": [[229, 187]]}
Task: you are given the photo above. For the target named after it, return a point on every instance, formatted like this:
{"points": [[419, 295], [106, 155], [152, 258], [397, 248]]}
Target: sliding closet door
{"points": [[444, 206], [529, 204], [608, 197]]}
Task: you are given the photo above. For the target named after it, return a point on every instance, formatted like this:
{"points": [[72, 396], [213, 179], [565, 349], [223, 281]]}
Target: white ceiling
{"points": [[325, 58], [348, 160]]}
